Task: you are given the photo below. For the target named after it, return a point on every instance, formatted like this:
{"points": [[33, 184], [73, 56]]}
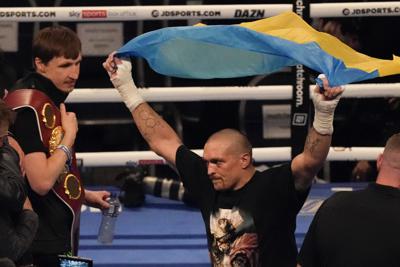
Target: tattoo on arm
{"points": [[312, 143], [150, 122]]}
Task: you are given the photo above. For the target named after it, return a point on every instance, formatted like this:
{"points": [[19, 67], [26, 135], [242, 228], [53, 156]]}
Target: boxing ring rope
{"points": [[182, 12], [360, 9], [277, 92], [225, 93], [266, 154]]}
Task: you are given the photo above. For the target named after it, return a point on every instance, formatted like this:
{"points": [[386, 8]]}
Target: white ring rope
{"points": [[181, 12], [265, 154], [273, 92], [362, 9], [98, 159]]}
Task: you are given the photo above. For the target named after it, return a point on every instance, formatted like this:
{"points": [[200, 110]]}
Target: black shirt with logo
{"points": [[252, 226]]}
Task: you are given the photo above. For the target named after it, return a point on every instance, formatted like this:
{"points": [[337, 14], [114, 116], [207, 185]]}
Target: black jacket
{"points": [[17, 226]]}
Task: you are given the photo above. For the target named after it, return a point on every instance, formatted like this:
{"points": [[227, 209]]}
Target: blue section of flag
{"points": [[226, 51]]}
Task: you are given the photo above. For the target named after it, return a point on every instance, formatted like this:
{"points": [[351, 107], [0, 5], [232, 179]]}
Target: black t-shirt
{"points": [[53, 235], [355, 229], [252, 226]]}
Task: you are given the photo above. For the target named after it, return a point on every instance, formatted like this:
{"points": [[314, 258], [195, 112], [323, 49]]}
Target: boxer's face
{"points": [[223, 166], [63, 72]]}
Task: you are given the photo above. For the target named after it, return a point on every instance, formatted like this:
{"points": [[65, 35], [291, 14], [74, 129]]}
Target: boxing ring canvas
{"points": [[164, 232]]}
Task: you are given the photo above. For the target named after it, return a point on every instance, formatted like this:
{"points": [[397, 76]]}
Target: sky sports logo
{"points": [[86, 14], [371, 11]]}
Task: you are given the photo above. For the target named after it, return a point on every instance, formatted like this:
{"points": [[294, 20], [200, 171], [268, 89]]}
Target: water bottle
{"points": [[106, 230]]}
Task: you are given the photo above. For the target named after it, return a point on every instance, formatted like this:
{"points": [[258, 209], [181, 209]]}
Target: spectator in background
{"points": [[345, 29], [359, 228], [18, 222]]}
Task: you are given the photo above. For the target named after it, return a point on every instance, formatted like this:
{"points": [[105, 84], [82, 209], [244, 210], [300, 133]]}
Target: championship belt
{"points": [[68, 187]]}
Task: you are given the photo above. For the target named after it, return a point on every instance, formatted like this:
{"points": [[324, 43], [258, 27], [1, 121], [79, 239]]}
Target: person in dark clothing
{"points": [[6, 262], [359, 228], [18, 223], [47, 135], [249, 216]]}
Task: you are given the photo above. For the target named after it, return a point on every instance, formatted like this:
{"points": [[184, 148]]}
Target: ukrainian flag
{"points": [[254, 48]]}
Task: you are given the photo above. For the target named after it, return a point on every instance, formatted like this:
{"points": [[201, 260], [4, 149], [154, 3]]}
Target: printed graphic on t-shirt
{"points": [[234, 241]]}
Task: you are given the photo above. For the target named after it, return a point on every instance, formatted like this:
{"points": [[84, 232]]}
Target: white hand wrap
{"points": [[126, 87], [324, 111]]}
